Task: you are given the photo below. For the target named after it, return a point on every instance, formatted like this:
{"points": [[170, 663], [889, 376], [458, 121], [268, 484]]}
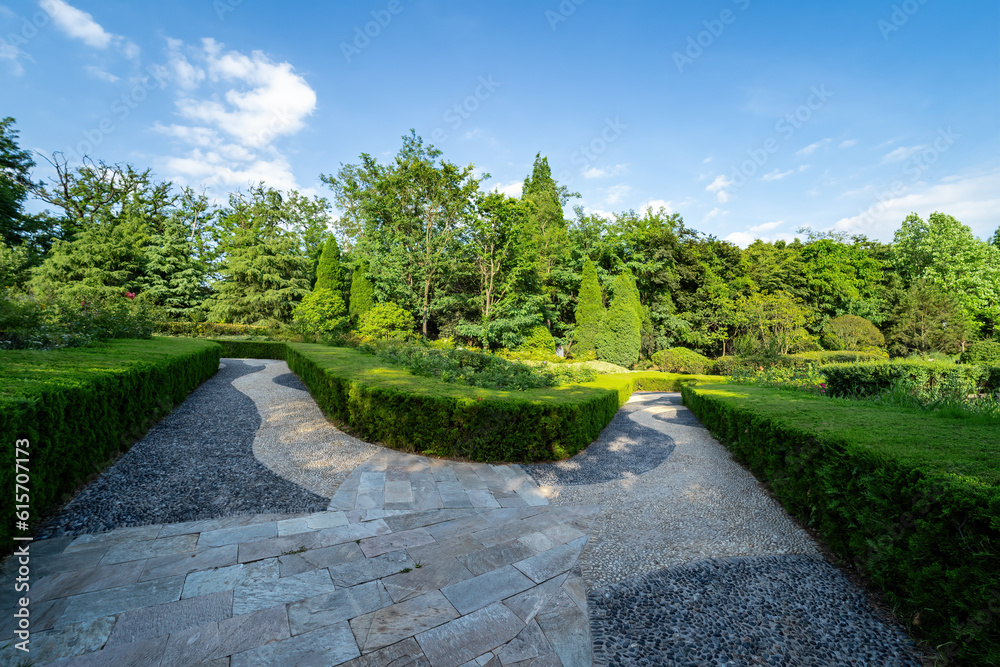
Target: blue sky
{"points": [[749, 118]]}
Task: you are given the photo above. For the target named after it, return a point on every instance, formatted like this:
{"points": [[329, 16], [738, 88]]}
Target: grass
{"points": [[914, 437]]}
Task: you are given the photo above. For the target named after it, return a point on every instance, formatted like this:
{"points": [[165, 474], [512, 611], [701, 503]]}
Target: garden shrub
{"points": [[850, 332], [982, 352], [252, 349], [620, 337], [874, 378], [322, 311], [913, 501], [386, 321], [539, 339], [681, 360], [362, 298], [589, 310], [210, 329], [79, 407]]}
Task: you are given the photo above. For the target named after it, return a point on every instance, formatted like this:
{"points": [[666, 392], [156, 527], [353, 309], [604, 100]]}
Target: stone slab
{"points": [[495, 557], [149, 622], [369, 569], [330, 645], [238, 534], [381, 544], [406, 653], [63, 642], [432, 576], [169, 566], [567, 629], [226, 637], [117, 600], [139, 654], [552, 562], [398, 492], [396, 622], [65, 584], [229, 578], [311, 522], [257, 595], [341, 605], [478, 592], [463, 639]]}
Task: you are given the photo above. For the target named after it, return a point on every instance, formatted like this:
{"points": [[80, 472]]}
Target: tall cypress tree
{"points": [[362, 293], [589, 310], [330, 272], [620, 338]]}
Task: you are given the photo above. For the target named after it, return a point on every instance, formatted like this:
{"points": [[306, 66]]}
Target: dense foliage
{"points": [[483, 267]]}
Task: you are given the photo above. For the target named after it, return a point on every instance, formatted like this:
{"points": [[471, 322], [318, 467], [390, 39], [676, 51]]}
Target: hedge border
{"points": [[75, 428], [928, 540], [387, 404]]}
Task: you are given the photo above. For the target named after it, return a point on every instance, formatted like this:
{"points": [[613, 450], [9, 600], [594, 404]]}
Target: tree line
{"points": [[483, 267]]}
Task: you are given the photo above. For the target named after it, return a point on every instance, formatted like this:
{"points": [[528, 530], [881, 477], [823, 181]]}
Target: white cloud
{"points": [[512, 189], [655, 205], [901, 153], [10, 52], [767, 226], [706, 160], [847, 143], [596, 172], [714, 213], [616, 193], [803, 167], [101, 74], [235, 107], [718, 186], [743, 239], [811, 148], [80, 25], [776, 175], [77, 24], [972, 198]]}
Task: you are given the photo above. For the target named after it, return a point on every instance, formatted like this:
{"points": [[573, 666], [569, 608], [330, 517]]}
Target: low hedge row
{"points": [[78, 407], [208, 329], [799, 362], [388, 404], [871, 379], [252, 349], [912, 499]]}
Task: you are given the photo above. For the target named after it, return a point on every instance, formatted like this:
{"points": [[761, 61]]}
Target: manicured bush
{"points": [[913, 500], [386, 403], [386, 321], [589, 311], [252, 349], [620, 337], [850, 332], [982, 352], [539, 339], [871, 379], [210, 329], [322, 311], [362, 297], [79, 407], [681, 360]]}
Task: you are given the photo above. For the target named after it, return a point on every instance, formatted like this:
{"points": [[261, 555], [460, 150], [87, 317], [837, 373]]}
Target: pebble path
{"points": [[303, 544]]}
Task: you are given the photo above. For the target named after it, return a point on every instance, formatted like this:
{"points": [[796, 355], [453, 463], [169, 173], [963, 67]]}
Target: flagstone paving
{"points": [[651, 547]]}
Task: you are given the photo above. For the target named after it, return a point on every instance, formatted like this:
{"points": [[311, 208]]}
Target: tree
{"points": [[995, 241], [172, 276], [772, 323], [386, 321], [330, 272], [589, 311], [407, 218], [14, 265], [264, 273], [15, 166], [928, 318], [946, 253], [362, 293], [322, 311], [106, 259], [850, 332], [619, 340]]}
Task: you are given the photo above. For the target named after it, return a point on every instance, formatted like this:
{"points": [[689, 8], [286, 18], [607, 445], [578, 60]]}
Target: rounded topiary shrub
{"points": [[538, 339], [386, 321], [850, 332], [982, 352], [619, 340], [322, 311], [681, 360]]}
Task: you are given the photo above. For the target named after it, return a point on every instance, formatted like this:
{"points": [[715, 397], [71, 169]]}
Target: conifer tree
{"points": [[619, 340], [173, 278], [362, 293], [330, 272], [589, 311]]}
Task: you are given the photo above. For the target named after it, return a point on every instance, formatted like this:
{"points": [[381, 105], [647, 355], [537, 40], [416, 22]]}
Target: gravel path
{"points": [[773, 610], [198, 463]]}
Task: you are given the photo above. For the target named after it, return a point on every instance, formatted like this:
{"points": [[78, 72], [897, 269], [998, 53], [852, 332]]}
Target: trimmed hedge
{"points": [[206, 329], [871, 379], [252, 349], [681, 360], [799, 362], [982, 352], [386, 403], [79, 407], [911, 499]]}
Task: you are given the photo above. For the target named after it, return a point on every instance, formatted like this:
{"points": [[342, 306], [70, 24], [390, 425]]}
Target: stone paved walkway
{"points": [[621, 555]]}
